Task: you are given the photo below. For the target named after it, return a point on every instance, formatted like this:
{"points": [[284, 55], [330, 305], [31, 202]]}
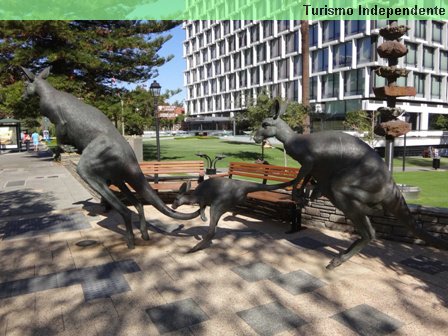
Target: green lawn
{"points": [[433, 184]]}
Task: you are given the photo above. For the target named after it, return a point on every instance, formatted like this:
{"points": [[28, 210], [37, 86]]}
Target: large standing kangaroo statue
{"points": [[221, 194], [106, 157], [350, 174]]}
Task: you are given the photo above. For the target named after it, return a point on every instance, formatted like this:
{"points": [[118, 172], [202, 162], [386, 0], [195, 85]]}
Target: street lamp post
{"points": [[155, 90]]}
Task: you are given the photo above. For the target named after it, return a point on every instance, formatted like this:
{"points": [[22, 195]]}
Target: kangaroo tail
{"points": [[396, 205], [264, 187], [143, 188]]}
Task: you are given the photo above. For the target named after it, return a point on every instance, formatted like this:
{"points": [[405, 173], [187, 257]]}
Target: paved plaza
{"points": [[65, 270]]}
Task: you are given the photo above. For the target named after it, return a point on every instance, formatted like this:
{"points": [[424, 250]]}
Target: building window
{"points": [[237, 61], [232, 82], [268, 73], [226, 27], [282, 25], [378, 23], [276, 47], [268, 29], [217, 31], [420, 29], [227, 64], [248, 57], [213, 52], [313, 35], [437, 28], [201, 41], [354, 27], [218, 103], [364, 51], [222, 48], [330, 85], [313, 87], [204, 55], [232, 45], [428, 57], [205, 88], [217, 68], [297, 65], [236, 24], [342, 55], [354, 82], [242, 39], [443, 60], [411, 56], [419, 84], [209, 70], [254, 33], [331, 30], [209, 104], [320, 60], [292, 42], [292, 91], [255, 75], [261, 52], [222, 84], [213, 84], [436, 87], [283, 69], [208, 36], [243, 79]]}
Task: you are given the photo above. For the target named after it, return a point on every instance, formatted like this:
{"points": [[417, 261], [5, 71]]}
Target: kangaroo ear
{"points": [[283, 108], [28, 74], [275, 109], [183, 188], [45, 73], [188, 186]]}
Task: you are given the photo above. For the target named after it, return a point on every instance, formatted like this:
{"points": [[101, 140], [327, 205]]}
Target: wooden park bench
{"points": [[280, 199], [168, 176]]}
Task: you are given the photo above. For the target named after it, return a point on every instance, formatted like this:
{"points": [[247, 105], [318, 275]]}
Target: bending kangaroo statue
{"points": [[350, 174], [221, 194], [106, 156]]}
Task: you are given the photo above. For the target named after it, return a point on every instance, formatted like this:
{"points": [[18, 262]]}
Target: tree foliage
{"points": [[295, 114], [87, 58], [362, 122], [442, 122]]}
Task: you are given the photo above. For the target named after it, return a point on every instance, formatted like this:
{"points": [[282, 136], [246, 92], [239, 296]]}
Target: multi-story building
{"points": [[230, 61]]}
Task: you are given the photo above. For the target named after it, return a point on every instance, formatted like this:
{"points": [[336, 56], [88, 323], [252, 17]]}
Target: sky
{"points": [[171, 74]]}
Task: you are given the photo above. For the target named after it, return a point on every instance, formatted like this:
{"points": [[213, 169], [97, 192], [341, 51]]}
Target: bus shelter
{"points": [[10, 134]]}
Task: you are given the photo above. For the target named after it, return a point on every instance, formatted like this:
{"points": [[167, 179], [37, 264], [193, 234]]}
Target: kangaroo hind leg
{"points": [[365, 229], [215, 215], [138, 205], [99, 184]]}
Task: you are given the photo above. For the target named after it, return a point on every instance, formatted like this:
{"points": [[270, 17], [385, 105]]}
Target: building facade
{"points": [[230, 62]]}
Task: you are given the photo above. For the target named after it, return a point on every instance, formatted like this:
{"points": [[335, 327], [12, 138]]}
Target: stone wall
{"points": [[322, 214]]}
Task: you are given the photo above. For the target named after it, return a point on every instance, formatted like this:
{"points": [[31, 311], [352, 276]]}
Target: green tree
{"points": [[363, 122], [295, 114], [87, 58], [442, 122]]}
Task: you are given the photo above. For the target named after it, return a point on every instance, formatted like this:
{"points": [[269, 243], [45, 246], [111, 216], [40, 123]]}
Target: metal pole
{"points": [[389, 154], [404, 153], [122, 117], [156, 114]]}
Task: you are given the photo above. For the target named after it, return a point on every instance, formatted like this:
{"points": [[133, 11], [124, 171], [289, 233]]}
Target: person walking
{"points": [[35, 137], [26, 140]]}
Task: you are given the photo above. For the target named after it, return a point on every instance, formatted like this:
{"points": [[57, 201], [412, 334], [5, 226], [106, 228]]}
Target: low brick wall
{"points": [[322, 214]]}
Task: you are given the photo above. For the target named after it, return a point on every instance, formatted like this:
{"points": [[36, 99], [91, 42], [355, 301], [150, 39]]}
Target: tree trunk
{"points": [[304, 30]]}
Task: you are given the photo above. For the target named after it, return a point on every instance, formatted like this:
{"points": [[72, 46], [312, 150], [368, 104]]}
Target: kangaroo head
{"points": [[270, 126], [182, 197], [33, 80]]}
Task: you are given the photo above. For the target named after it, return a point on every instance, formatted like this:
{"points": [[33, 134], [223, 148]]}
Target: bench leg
{"points": [[296, 219]]}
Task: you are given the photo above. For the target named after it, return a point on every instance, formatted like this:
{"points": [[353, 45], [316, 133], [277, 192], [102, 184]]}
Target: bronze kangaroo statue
{"points": [[221, 194], [350, 174], [106, 157]]}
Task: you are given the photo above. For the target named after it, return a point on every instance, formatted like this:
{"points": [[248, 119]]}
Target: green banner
{"points": [[223, 9]]}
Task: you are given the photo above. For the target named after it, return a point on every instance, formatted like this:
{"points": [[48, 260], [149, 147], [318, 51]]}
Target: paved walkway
{"points": [[65, 270]]}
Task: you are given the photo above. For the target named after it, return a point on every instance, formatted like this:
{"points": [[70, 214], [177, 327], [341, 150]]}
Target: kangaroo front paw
{"points": [[204, 218]]}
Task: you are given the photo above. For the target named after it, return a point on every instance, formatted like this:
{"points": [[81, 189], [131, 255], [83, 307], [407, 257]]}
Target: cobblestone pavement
{"points": [[65, 270]]}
